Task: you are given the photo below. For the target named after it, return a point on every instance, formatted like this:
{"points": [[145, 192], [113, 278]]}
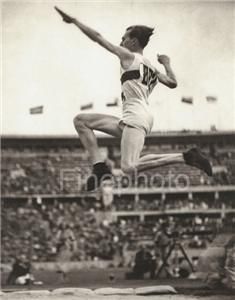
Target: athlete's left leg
{"points": [[132, 144], [151, 156], [152, 161], [193, 157]]}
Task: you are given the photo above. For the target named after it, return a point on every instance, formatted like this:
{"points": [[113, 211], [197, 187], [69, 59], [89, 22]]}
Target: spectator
{"points": [[20, 273], [145, 262]]}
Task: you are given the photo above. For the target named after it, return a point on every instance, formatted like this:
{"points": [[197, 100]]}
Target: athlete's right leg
{"points": [[85, 124]]}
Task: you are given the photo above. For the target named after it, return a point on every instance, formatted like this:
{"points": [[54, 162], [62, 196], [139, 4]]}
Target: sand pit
{"points": [[113, 297], [85, 294]]}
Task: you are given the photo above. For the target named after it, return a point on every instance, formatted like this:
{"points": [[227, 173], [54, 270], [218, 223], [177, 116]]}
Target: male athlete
{"points": [[138, 78]]}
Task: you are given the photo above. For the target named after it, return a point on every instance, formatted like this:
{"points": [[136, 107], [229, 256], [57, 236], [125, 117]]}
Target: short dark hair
{"points": [[141, 33]]}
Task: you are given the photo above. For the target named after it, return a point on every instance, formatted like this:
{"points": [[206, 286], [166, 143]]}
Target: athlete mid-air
{"points": [[138, 79]]}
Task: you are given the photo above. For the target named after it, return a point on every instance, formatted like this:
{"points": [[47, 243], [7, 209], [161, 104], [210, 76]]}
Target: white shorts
{"points": [[136, 113]]}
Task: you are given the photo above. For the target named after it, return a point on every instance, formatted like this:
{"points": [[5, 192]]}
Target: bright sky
{"points": [[48, 62]]}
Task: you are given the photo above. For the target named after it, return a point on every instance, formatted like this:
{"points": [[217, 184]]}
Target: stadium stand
{"points": [[47, 215]]}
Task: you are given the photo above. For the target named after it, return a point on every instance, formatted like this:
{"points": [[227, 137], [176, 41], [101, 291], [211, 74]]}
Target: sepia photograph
{"points": [[117, 149]]}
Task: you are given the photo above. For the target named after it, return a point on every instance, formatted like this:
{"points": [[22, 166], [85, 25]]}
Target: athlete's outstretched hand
{"points": [[66, 18], [163, 59]]}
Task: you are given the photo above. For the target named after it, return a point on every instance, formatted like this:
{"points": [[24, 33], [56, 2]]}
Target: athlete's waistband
{"points": [[135, 99]]}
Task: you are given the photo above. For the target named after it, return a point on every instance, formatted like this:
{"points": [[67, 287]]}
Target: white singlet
{"points": [[138, 82]]}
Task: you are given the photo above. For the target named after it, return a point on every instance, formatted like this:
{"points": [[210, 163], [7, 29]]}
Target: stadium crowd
{"points": [[199, 203], [71, 230], [56, 230], [64, 171]]}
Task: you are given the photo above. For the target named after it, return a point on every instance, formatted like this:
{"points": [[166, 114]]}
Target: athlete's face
{"points": [[127, 41]]}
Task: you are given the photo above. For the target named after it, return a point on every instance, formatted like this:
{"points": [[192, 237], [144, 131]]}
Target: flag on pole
{"points": [[115, 103], [188, 100], [86, 106], [211, 98], [36, 110]]}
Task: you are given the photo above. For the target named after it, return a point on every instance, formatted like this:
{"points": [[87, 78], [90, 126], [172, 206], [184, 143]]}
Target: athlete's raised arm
{"points": [[169, 78], [126, 57]]}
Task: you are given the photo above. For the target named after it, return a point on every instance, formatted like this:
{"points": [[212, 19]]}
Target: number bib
{"points": [[139, 80]]}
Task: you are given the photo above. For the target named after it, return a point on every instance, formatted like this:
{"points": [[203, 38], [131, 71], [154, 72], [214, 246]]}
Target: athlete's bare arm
{"points": [[126, 57], [167, 79]]}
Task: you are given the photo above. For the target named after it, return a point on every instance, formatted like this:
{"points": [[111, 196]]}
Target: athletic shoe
{"points": [[100, 173], [195, 158]]}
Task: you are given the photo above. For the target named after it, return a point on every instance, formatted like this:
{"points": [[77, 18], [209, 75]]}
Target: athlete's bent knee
{"points": [[128, 168], [80, 121]]}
